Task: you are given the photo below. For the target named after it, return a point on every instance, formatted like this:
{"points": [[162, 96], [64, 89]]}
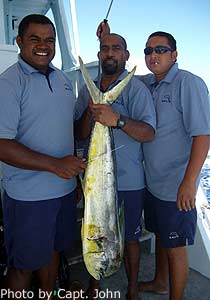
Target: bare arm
{"points": [[187, 189], [82, 127], [138, 130], [18, 155]]}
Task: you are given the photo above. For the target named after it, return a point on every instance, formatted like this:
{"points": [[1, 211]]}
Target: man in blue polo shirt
{"points": [[134, 116], [36, 148], [173, 161]]}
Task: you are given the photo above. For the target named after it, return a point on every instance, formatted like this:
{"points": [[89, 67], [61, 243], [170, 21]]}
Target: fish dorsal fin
{"points": [[112, 95], [96, 95]]}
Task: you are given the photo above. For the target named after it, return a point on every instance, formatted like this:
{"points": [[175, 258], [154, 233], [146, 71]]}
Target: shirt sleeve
{"points": [[10, 110], [140, 105], [81, 103], [195, 106]]}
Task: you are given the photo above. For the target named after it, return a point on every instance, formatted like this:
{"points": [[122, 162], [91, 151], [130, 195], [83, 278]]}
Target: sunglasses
{"points": [[157, 49]]}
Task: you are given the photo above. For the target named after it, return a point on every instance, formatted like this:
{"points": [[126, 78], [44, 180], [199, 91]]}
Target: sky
{"points": [[187, 20]]}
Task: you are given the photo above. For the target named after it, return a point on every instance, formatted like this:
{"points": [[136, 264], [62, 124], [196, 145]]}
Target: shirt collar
{"points": [[169, 76], [28, 69], [120, 78]]}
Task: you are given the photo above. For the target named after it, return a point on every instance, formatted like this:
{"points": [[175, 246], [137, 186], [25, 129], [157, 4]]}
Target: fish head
{"points": [[96, 264]]}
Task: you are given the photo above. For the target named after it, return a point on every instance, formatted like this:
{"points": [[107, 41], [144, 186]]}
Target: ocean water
{"points": [[205, 177]]}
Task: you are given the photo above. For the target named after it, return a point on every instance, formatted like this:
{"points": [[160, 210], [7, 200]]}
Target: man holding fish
{"points": [[37, 149], [132, 119], [173, 161]]}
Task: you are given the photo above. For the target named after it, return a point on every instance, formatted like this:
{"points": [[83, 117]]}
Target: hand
{"points": [[186, 195], [102, 30], [69, 166], [104, 114]]}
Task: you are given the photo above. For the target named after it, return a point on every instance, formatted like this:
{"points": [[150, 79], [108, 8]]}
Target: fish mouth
{"points": [[102, 264]]}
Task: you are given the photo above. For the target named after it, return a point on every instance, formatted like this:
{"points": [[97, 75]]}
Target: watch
{"points": [[121, 122]]}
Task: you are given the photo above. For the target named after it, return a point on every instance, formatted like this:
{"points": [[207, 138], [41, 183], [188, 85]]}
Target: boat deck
{"points": [[114, 287]]}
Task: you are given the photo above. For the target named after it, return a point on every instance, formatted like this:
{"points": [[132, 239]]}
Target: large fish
{"points": [[102, 226]]}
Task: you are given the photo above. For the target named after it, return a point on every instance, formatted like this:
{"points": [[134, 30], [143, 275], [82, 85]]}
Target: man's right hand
{"points": [[69, 166], [102, 30]]}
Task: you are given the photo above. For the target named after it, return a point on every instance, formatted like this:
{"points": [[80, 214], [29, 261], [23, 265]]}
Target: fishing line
{"points": [[99, 62], [97, 157], [106, 19], [105, 152]]}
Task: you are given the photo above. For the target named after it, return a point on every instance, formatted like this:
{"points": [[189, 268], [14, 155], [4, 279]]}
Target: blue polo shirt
{"points": [[135, 102], [182, 108], [36, 111]]}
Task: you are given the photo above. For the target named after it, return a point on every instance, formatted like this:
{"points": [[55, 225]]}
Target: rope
{"points": [[99, 63]]}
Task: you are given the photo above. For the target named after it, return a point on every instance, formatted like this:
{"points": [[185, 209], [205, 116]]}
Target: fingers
{"points": [[186, 195], [98, 109], [70, 166], [185, 203], [102, 30], [99, 30], [105, 115], [80, 164]]}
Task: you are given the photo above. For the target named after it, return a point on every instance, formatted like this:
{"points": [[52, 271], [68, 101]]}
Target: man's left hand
{"points": [[186, 195]]}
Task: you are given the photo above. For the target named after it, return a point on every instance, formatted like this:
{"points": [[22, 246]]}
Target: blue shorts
{"points": [[133, 206], [175, 228], [34, 229]]}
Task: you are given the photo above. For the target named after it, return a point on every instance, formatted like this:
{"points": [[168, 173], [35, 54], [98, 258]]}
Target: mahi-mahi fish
{"points": [[102, 226]]}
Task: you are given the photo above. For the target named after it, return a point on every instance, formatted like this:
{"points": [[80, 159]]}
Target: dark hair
{"points": [[119, 36], [170, 38], [35, 18]]}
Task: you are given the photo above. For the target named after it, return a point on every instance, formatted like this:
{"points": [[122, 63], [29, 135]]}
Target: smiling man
{"points": [[37, 45], [36, 148]]}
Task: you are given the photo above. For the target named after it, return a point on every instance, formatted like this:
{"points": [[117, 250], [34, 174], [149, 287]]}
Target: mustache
{"points": [[108, 60]]}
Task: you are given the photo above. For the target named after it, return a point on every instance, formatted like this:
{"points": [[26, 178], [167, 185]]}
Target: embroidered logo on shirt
{"points": [[119, 100], [173, 236], [67, 87], [166, 99]]}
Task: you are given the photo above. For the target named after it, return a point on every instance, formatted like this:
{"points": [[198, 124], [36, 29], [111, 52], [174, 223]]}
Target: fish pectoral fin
{"points": [[112, 95], [95, 93]]}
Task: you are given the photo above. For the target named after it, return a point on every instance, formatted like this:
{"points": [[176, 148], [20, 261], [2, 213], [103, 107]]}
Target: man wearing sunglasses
{"points": [[173, 161]]}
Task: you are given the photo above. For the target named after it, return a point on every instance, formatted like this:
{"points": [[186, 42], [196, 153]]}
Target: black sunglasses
{"points": [[157, 49]]}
